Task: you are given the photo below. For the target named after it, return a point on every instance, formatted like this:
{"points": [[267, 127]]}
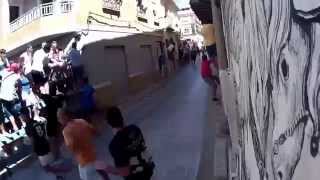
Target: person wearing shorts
{"points": [[10, 93]]}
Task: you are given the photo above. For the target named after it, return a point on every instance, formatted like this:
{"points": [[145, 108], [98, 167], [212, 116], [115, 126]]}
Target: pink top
{"points": [[205, 69]]}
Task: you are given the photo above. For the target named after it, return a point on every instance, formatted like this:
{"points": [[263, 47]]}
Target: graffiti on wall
{"points": [[274, 50]]}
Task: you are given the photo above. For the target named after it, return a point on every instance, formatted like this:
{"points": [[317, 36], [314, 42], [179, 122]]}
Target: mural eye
{"points": [[285, 69]]}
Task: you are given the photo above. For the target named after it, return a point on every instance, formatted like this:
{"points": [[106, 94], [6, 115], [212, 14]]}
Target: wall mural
{"points": [[274, 49]]}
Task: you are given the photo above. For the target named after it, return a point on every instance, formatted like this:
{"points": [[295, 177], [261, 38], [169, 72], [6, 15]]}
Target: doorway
{"points": [[14, 12]]}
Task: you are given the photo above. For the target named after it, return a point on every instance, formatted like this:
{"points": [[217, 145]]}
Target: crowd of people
{"points": [[25, 80], [188, 51], [47, 95], [33, 87]]}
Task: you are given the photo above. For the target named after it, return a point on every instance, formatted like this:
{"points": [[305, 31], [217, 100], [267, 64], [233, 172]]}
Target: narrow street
{"points": [[172, 119]]}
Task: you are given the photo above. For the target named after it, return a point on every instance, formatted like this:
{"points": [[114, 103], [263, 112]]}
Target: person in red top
{"points": [[209, 73]]}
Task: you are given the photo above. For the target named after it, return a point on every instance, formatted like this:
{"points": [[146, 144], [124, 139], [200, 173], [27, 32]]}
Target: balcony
{"points": [[40, 11]]}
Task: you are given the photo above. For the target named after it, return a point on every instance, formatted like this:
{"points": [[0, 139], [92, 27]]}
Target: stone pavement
{"points": [[174, 119]]}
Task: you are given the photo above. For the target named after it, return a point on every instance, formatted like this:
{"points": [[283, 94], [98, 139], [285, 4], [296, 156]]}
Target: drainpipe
{"points": [[4, 19]]}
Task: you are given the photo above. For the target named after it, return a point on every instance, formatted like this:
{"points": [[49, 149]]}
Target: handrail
{"points": [[42, 10]]}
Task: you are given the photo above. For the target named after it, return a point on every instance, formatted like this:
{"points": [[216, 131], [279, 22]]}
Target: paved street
{"points": [[172, 118]]}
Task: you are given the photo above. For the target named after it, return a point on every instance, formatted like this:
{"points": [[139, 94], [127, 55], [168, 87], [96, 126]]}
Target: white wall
{"points": [[136, 63]]}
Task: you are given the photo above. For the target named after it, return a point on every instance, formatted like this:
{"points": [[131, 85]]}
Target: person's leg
{"points": [[214, 91], [55, 147], [211, 82], [8, 107], [2, 120]]}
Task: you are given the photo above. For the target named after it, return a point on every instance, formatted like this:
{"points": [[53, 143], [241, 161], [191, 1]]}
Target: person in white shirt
{"points": [[10, 93], [39, 58], [3, 58], [27, 61]]}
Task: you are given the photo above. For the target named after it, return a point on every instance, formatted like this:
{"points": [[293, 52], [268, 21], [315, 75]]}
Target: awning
{"points": [[202, 8]]}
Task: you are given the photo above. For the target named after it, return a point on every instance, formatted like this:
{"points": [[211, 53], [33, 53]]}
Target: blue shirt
{"points": [[74, 56], [87, 99], [25, 84]]}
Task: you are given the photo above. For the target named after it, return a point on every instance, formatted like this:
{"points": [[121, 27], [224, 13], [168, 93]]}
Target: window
{"points": [[187, 31], [112, 7], [14, 13]]}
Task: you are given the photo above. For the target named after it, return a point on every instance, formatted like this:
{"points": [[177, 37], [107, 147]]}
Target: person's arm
{"points": [[213, 68], [122, 162], [68, 139]]}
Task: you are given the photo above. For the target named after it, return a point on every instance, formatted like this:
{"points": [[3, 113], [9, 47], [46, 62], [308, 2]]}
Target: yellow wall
{"points": [[42, 27]]}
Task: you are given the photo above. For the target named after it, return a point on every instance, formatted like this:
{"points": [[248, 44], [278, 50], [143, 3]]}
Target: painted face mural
{"points": [[274, 50]]}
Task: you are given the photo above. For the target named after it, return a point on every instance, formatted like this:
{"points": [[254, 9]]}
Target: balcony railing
{"points": [[42, 10]]}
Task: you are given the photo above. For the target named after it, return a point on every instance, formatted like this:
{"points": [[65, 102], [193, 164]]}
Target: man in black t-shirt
{"points": [[128, 149], [52, 125], [36, 131]]}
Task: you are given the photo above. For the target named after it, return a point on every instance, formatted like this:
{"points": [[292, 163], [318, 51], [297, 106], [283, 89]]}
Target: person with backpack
{"points": [[209, 73], [128, 149]]}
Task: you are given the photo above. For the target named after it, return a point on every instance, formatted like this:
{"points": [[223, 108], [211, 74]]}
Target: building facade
{"points": [[117, 36], [273, 68], [190, 25]]}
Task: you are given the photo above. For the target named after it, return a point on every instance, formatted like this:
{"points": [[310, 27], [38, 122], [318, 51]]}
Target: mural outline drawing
{"points": [[274, 50]]}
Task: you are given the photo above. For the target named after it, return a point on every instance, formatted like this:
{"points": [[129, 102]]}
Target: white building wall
{"points": [[93, 56]]}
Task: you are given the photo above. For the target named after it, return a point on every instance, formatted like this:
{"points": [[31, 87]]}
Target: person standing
{"points": [[162, 61], [78, 137], [40, 56], [27, 57], [171, 53], [77, 68], [10, 94], [194, 53], [128, 149], [186, 53], [3, 58], [87, 98], [209, 73], [36, 131]]}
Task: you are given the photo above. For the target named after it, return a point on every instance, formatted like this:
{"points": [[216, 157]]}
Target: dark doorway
{"points": [[14, 13]]}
